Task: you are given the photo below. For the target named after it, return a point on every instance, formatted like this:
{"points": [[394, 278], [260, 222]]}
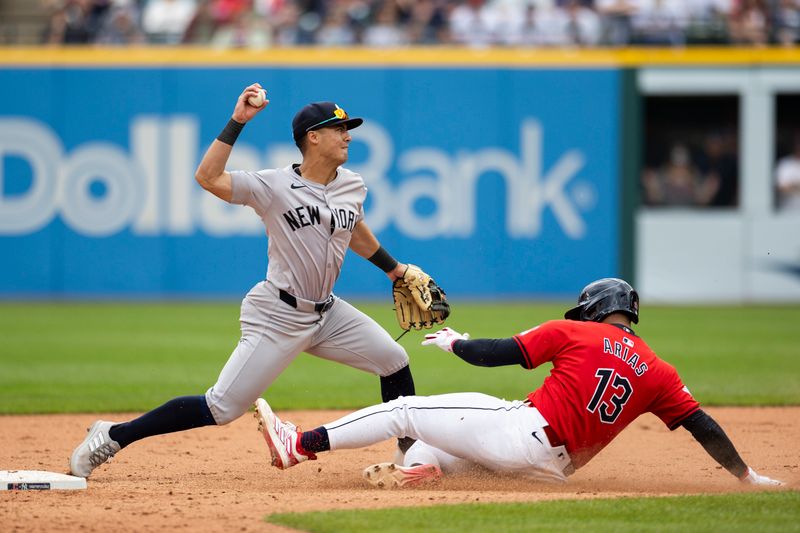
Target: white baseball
{"points": [[259, 99]]}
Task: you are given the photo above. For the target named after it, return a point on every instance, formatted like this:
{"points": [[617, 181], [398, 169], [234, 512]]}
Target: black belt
{"points": [[319, 307]]}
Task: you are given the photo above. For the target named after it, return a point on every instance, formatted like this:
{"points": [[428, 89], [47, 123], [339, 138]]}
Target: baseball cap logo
{"points": [[320, 115], [338, 114]]}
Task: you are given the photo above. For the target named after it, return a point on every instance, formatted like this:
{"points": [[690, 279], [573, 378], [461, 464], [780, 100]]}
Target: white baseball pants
{"points": [[459, 429]]}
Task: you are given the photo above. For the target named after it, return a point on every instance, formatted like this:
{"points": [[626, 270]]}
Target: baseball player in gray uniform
{"points": [[313, 212]]}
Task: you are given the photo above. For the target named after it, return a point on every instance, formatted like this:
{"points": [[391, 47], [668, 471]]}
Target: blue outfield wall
{"points": [[501, 182]]}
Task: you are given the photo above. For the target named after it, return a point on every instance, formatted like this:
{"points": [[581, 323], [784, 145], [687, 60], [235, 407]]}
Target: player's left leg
{"points": [[494, 433], [350, 337]]}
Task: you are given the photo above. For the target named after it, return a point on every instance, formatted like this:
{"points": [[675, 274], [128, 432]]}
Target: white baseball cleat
{"points": [[281, 437], [753, 478], [96, 449], [392, 476]]}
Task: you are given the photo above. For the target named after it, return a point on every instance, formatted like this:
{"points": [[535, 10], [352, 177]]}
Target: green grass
{"points": [[762, 512], [105, 357], [99, 357]]}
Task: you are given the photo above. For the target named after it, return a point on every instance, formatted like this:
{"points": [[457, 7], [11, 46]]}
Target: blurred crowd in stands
{"points": [[695, 176], [389, 23], [787, 177], [708, 176]]}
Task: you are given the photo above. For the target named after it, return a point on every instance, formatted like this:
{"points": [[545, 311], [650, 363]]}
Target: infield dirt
{"points": [[219, 478]]}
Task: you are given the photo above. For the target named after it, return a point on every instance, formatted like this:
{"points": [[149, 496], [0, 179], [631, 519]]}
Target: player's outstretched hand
{"points": [[444, 338], [245, 110], [753, 478]]}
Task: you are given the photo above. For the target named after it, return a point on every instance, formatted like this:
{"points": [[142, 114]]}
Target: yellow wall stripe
{"points": [[410, 57]]}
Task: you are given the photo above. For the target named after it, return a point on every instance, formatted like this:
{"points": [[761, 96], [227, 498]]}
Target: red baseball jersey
{"points": [[603, 377]]}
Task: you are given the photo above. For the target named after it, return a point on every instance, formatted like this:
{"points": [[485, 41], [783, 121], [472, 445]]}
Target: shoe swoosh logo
{"points": [[295, 186]]}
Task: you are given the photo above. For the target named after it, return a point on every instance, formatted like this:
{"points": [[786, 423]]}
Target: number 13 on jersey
{"points": [[610, 409]]}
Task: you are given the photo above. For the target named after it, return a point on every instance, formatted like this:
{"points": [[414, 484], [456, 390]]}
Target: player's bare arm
{"points": [[211, 173]]}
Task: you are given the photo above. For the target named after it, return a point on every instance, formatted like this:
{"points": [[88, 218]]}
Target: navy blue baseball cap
{"points": [[321, 115]]}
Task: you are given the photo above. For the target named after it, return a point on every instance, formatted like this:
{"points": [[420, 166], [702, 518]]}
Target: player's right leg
{"points": [[104, 439], [97, 448], [350, 337], [272, 335]]}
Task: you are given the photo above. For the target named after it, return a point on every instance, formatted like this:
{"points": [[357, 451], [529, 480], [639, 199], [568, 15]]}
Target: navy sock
{"points": [[401, 383], [178, 414], [315, 440]]}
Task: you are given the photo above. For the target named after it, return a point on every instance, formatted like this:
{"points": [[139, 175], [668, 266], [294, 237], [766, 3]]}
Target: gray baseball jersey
{"points": [[309, 226]]}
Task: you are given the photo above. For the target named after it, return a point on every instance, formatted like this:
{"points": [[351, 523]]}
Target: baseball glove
{"points": [[412, 315]]}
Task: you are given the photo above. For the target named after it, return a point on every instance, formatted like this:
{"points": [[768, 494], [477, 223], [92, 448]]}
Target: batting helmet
{"points": [[605, 296]]}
